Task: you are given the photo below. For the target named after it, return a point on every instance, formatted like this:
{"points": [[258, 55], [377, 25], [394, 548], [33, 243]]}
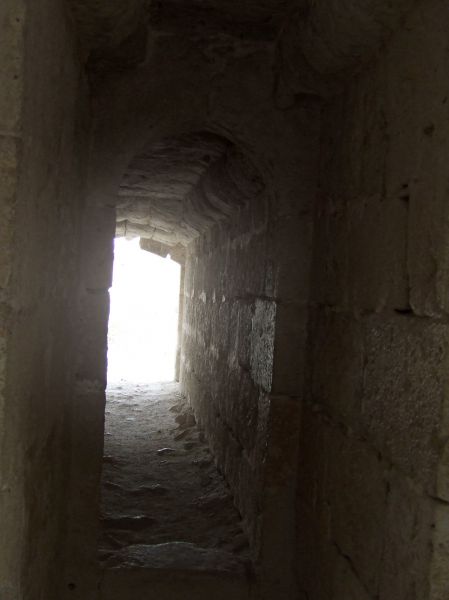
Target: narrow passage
{"points": [[162, 497]]}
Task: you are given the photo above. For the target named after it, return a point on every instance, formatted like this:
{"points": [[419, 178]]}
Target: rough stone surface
{"points": [[229, 330], [43, 140], [181, 556], [293, 157], [178, 188], [378, 339], [159, 482]]}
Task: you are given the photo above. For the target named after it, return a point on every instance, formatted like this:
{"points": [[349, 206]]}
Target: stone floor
{"points": [[164, 505]]}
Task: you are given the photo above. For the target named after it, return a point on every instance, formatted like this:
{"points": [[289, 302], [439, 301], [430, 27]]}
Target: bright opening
{"points": [[143, 321]]}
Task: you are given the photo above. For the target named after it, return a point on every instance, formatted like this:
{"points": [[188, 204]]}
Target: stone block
{"points": [[264, 321], [406, 367], [361, 253]]}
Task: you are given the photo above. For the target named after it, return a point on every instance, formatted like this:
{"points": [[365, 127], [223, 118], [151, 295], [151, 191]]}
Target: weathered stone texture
{"points": [[43, 138], [356, 509], [404, 393], [11, 516], [87, 411], [178, 188], [376, 432], [323, 395], [229, 332]]}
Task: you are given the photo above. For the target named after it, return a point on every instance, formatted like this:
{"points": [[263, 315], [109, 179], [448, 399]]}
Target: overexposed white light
{"points": [[143, 320]]}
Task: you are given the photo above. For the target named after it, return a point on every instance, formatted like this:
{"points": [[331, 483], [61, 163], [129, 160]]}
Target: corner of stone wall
{"points": [[87, 414]]}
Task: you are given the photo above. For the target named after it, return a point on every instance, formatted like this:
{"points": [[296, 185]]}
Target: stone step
{"points": [[175, 571]]}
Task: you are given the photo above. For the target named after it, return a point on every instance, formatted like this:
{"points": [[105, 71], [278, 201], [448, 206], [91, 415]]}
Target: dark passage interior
{"points": [[291, 159]]}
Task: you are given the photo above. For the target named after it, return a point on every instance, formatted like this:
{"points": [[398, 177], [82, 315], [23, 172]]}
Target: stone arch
{"points": [[179, 188], [167, 109], [176, 189]]}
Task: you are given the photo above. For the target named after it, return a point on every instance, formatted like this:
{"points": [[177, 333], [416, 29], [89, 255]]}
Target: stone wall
{"points": [[246, 309], [373, 493], [369, 469], [88, 406], [43, 131], [227, 346]]}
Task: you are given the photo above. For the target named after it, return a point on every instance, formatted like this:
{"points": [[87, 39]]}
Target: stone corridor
{"points": [[291, 156], [165, 508], [159, 477]]}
